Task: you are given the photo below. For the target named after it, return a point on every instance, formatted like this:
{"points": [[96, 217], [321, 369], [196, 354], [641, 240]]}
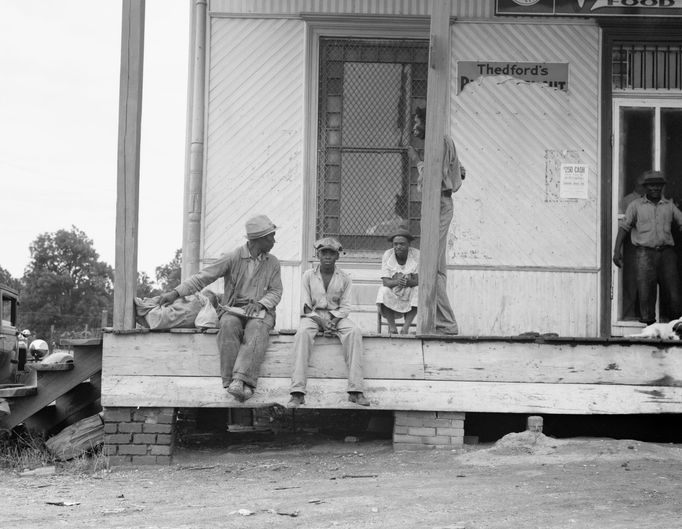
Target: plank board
{"points": [[492, 360], [190, 355], [17, 391], [152, 391], [53, 384], [49, 367], [500, 361]]}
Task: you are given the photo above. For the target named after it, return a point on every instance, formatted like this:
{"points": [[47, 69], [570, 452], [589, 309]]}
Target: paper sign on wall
{"points": [[573, 181]]}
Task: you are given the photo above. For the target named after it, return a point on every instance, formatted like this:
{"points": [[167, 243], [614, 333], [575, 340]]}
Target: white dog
{"points": [[665, 331]]}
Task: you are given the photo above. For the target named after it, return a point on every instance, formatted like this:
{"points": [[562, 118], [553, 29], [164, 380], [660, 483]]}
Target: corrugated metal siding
{"points": [[254, 164], [289, 308], [460, 8], [501, 302], [509, 302], [255, 132], [508, 212]]}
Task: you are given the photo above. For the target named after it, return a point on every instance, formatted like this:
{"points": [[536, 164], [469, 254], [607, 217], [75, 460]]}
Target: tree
{"points": [[168, 276], [65, 284], [145, 286], [7, 279]]}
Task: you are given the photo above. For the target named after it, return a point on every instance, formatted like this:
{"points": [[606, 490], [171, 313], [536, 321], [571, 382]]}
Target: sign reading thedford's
{"points": [[590, 8], [552, 74]]}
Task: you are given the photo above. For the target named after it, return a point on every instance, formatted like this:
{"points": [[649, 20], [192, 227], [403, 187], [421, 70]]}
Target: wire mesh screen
{"points": [[367, 186], [647, 67]]}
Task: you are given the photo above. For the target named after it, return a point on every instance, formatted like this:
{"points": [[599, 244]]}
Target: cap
{"points": [[328, 243], [259, 226], [26, 332], [654, 177], [401, 232]]}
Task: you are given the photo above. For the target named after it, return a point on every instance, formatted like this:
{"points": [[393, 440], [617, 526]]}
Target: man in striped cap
{"points": [[253, 288]]}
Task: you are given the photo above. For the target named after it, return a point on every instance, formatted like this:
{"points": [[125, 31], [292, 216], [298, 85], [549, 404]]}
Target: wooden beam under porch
{"points": [[459, 374]]}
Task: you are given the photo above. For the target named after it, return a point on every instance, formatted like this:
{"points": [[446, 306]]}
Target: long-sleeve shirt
{"points": [[650, 223], [451, 172], [245, 278], [336, 299]]}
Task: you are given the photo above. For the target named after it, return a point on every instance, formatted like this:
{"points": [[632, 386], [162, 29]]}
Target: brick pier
{"points": [[422, 430], [139, 436]]}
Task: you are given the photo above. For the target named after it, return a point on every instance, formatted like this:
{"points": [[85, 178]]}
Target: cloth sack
{"points": [[208, 316], [180, 314]]}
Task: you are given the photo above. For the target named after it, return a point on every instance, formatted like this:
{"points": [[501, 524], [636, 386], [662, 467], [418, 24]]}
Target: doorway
{"points": [[647, 133]]}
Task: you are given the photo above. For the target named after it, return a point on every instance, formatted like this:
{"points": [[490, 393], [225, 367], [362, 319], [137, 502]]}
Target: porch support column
{"points": [[128, 173], [191, 237], [436, 104]]}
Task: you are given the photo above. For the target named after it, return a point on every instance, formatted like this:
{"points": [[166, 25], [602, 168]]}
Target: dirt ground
{"points": [[522, 481]]}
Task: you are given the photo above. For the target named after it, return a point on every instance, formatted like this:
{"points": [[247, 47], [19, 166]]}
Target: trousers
{"points": [[351, 343], [242, 343], [445, 316], [654, 268]]}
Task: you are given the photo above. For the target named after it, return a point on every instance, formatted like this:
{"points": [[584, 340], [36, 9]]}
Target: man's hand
{"points": [[618, 259], [168, 297], [413, 154], [252, 309]]}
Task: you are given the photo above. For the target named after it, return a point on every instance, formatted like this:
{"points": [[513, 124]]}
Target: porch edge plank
{"points": [[166, 354], [152, 391], [578, 363]]}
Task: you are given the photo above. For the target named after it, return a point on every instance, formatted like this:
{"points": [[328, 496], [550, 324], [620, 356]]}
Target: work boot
{"points": [[297, 398], [248, 392], [358, 398], [236, 389]]}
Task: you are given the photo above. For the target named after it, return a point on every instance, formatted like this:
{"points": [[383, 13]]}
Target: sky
{"points": [[59, 102]]}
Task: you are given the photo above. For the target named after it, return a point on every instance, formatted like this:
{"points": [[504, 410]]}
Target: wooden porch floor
{"points": [[429, 373]]}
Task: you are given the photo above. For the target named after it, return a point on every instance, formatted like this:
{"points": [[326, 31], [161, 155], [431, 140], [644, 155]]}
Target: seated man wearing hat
{"points": [[397, 297], [253, 284], [326, 305], [649, 220]]}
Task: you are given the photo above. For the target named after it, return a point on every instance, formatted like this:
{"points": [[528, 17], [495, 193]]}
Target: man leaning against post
{"points": [[451, 176], [326, 305], [649, 220], [253, 287]]}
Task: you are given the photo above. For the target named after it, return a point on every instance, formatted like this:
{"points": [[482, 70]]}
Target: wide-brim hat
{"points": [[328, 243], [400, 232], [259, 226], [654, 177]]}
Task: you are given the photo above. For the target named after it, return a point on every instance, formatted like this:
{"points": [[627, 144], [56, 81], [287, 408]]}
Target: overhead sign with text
{"points": [[551, 74], [590, 8]]}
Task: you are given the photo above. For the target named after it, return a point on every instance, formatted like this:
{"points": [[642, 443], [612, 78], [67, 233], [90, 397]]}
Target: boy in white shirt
{"points": [[326, 305]]}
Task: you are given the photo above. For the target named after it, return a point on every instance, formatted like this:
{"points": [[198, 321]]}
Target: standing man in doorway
{"points": [[649, 220], [451, 180], [253, 285]]}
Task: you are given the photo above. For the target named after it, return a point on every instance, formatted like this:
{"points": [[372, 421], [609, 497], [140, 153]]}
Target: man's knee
{"points": [[231, 325]]}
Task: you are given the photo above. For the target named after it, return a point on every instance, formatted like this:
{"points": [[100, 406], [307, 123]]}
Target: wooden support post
{"points": [[436, 104], [128, 180]]}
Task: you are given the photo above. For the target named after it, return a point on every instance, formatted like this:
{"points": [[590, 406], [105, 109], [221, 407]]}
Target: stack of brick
{"points": [[139, 436], [420, 430]]}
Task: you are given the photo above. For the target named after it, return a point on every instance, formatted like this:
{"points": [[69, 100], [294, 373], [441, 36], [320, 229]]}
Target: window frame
{"points": [[340, 27]]}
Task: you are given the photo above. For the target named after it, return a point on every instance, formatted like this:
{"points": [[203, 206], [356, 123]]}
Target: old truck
{"points": [[8, 334], [8, 340]]}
